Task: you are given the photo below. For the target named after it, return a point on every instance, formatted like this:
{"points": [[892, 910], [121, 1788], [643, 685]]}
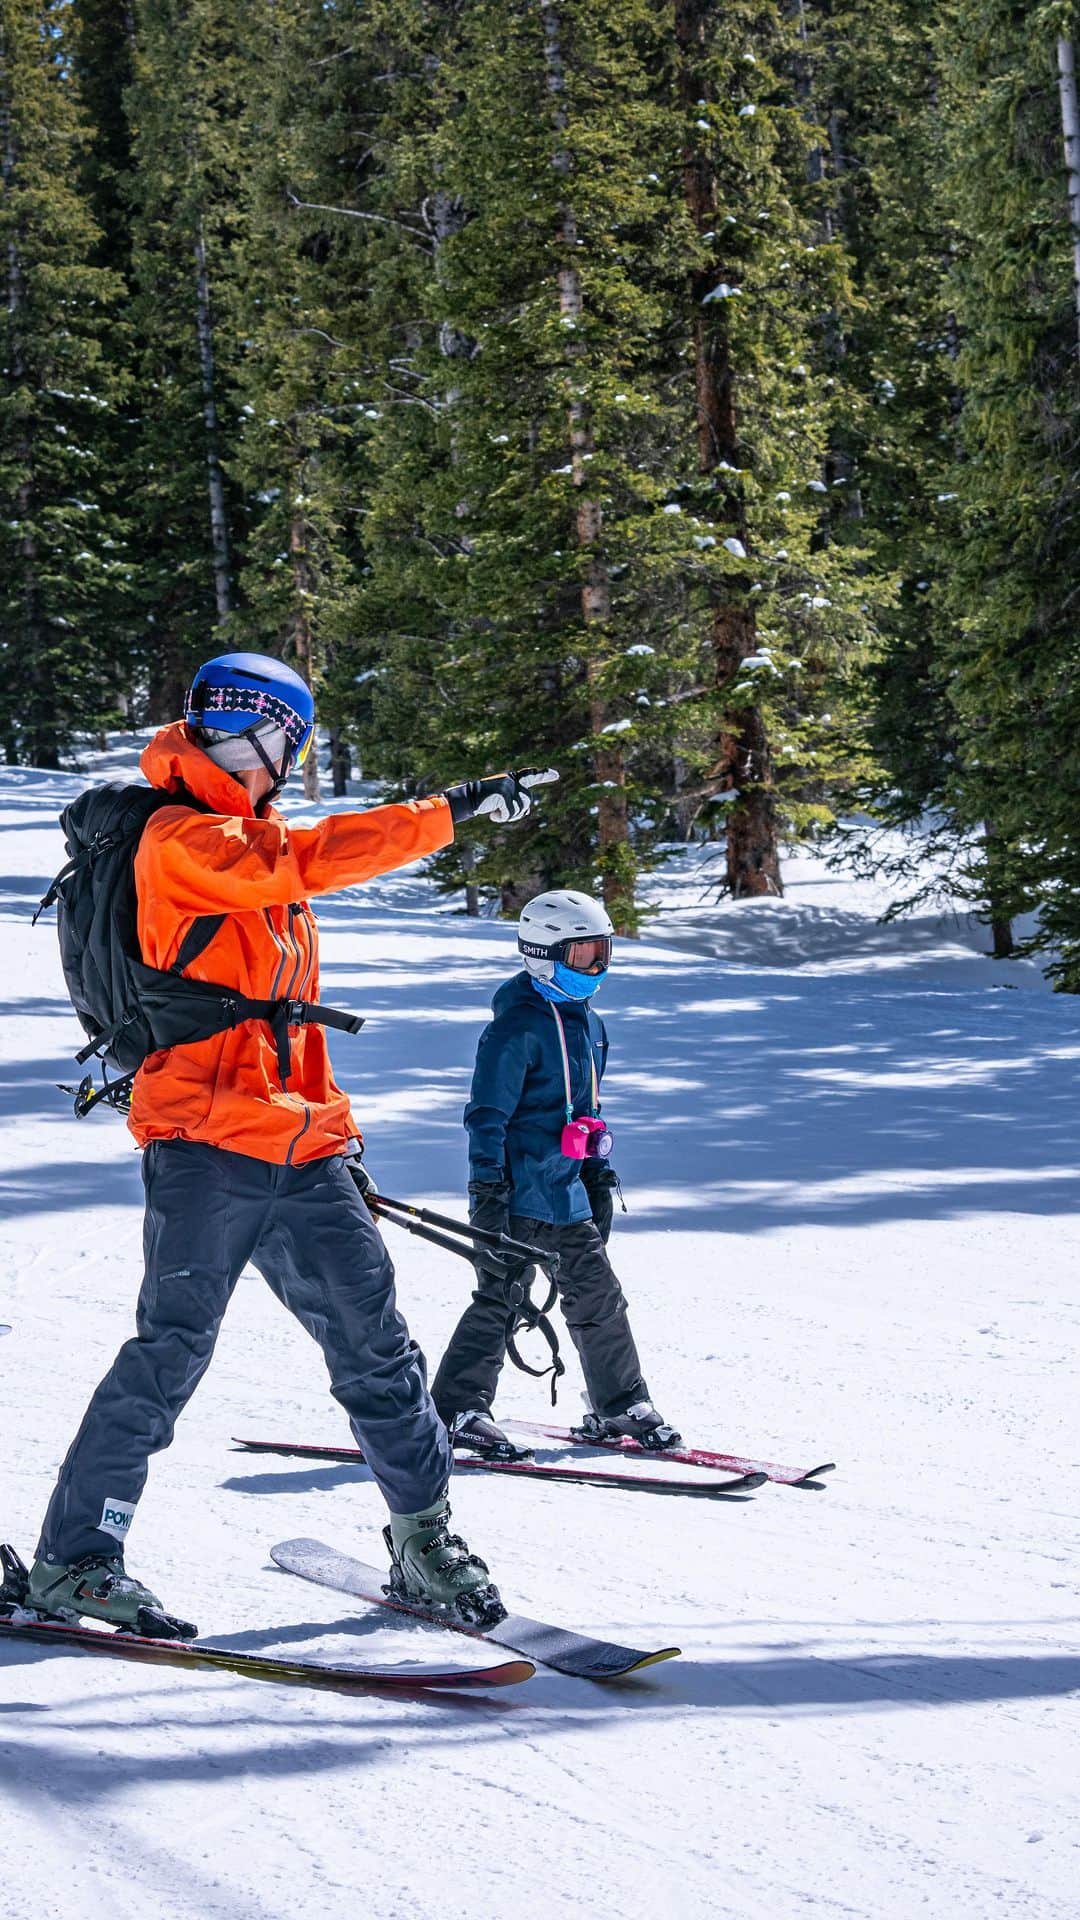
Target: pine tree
{"points": [[1014, 580], [186, 107], [545, 550], [788, 609], [63, 571], [874, 83], [521, 555], [302, 380]]}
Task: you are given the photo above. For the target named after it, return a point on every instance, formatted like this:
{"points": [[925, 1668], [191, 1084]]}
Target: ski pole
{"points": [[483, 1236], [496, 1261]]}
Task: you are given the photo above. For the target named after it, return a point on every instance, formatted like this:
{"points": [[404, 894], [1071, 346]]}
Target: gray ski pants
{"points": [[593, 1306], [306, 1229]]}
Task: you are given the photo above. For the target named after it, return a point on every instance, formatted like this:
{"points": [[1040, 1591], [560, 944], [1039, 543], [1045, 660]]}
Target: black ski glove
{"points": [[601, 1183], [365, 1184], [489, 1208], [504, 797]]}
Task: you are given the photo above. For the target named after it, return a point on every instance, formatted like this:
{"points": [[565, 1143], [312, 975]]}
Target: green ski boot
{"points": [[98, 1587], [433, 1567]]}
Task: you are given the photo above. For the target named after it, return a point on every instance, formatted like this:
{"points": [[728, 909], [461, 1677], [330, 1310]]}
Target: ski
{"points": [[257, 1666], [726, 1489], [685, 1456], [578, 1654], [17, 1623]]}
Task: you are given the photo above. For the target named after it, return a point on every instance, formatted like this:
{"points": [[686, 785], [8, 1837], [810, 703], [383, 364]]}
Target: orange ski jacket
{"points": [[226, 1091]]}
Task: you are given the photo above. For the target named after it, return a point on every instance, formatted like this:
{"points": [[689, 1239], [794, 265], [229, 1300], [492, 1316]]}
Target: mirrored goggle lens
{"points": [[304, 747], [588, 956]]}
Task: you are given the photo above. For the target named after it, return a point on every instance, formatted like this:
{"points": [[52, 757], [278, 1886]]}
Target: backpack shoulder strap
{"points": [[197, 938]]}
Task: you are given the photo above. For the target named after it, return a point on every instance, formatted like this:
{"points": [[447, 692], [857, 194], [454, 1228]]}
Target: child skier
{"points": [[250, 1150], [538, 1169]]}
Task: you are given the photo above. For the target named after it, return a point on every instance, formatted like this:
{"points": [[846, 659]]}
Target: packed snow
{"points": [[849, 1152]]}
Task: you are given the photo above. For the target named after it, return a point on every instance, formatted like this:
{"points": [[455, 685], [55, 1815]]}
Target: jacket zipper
{"points": [[295, 991], [309, 970], [280, 945], [296, 1142], [308, 952], [290, 991]]}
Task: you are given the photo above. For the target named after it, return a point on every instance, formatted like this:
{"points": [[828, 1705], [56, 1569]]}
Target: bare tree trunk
{"points": [[40, 742], [612, 822], [472, 891], [447, 218], [340, 765], [743, 766], [168, 677], [1001, 932], [302, 635], [219, 530], [837, 466], [1070, 127]]}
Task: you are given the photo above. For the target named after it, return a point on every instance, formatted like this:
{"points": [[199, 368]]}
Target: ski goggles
{"points": [[240, 710], [581, 956]]}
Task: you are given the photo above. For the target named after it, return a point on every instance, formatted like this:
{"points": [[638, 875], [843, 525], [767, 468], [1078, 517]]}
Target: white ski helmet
{"points": [[553, 924]]}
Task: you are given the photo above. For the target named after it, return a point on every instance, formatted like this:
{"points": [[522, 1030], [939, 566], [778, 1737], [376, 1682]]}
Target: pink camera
{"points": [[586, 1139]]}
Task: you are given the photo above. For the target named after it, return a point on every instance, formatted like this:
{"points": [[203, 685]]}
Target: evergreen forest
{"points": [[681, 393]]}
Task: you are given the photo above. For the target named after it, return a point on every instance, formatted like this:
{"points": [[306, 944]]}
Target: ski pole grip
{"points": [[523, 1251]]}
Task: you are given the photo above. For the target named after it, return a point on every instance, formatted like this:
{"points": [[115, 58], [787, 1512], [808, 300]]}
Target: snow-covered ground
{"points": [[850, 1156]]}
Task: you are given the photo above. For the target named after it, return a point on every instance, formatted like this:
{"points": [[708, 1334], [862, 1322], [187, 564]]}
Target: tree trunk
{"points": [[472, 891], [340, 765], [40, 742], [609, 763], [302, 634], [743, 766], [219, 530], [168, 678], [838, 466], [1001, 932], [1070, 127]]}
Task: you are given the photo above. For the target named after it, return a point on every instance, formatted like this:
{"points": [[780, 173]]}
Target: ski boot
{"points": [[433, 1568], [640, 1422], [476, 1431], [97, 1587]]}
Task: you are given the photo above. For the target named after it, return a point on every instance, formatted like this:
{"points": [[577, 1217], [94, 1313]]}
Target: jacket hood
{"points": [[172, 760]]}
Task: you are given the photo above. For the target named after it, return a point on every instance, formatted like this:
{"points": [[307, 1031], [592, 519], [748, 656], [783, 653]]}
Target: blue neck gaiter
{"points": [[568, 985]]}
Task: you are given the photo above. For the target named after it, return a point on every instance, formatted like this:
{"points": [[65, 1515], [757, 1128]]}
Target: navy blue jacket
{"points": [[517, 1108]]}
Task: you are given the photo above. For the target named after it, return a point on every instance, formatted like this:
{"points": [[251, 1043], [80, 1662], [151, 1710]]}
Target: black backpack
{"points": [[127, 1009]]}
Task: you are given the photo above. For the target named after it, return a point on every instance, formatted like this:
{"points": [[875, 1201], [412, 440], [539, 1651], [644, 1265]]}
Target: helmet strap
{"points": [[278, 775]]}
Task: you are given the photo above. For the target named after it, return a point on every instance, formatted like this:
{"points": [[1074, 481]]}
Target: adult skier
{"points": [[539, 1169], [249, 1156]]}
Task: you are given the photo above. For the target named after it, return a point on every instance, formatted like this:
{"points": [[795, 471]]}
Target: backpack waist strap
{"points": [[180, 1012]]}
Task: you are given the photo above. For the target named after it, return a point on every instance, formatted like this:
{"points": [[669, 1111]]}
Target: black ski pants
{"points": [[307, 1230], [593, 1306]]}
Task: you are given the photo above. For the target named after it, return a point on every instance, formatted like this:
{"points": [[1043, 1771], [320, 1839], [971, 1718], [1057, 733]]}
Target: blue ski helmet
{"points": [[237, 692]]}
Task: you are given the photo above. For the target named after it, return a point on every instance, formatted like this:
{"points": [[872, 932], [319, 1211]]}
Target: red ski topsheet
{"points": [[337, 1676], [733, 1487], [686, 1456]]}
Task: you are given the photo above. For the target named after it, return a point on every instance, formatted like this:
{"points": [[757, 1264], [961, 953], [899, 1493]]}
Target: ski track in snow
{"points": [[850, 1154]]}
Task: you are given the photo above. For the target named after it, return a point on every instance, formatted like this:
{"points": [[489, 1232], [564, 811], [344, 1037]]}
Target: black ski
{"points": [[529, 1469], [568, 1652]]}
